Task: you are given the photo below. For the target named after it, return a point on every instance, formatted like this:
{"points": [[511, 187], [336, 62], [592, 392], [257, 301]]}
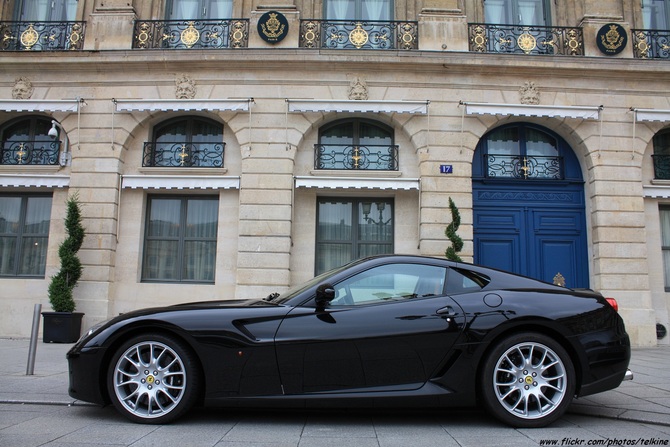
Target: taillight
{"points": [[612, 302]]}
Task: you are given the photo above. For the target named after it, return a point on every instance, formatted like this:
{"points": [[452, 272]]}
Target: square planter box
{"points": [[61, 327]]}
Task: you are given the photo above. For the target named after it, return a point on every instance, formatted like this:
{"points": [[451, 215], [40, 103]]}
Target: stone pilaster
{"points": [[110, 27]]}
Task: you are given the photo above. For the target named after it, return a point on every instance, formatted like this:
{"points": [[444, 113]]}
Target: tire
{"points": [[528, 380], [153, 379]]}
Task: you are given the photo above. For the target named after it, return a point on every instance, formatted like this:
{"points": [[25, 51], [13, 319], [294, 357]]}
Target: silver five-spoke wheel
{"points": [[150, 379], [530, 376]]}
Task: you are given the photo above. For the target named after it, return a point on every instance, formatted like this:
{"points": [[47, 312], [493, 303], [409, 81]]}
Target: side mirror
{"points": [[325, 293]]}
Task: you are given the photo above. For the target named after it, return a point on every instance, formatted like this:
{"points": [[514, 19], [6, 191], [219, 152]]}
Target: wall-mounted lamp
{"points": [[65, 156]]}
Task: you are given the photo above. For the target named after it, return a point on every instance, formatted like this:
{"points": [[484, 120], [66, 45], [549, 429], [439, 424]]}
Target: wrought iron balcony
{"points": [[651, 43], [529, 167], [369, 157], [30, 152], [359, 35], [661, 166], [554, 40], [187, 34], [183, 155], [42, 36]]}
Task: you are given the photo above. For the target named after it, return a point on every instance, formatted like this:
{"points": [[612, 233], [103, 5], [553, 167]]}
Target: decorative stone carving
{"points": [[358, 89], [23, 88], [529, 94], [185, 87]]}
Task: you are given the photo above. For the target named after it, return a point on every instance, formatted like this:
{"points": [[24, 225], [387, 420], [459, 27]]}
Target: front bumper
{"points": [[85, 376]]}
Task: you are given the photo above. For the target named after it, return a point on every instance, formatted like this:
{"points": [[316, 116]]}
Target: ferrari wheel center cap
{"points": [[529, 380], [150, 379]]}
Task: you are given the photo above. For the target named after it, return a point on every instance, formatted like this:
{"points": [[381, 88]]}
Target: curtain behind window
{"points": [[48, 10], [655, 14]]}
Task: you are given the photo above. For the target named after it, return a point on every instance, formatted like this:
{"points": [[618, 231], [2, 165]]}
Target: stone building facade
{"points": [[232, 157]]}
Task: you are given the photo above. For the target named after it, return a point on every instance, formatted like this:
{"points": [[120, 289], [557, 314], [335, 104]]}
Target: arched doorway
{"points": [[528, 205]]}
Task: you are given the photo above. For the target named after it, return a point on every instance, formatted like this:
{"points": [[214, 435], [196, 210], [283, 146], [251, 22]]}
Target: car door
{"points": [[388, 328]]}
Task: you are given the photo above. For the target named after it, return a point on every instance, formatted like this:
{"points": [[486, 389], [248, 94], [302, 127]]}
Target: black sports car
{"points": [[379, 332]]}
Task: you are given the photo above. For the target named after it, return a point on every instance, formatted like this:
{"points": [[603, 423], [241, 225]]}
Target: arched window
{"points": [[26, 142], [524, 152], [186, 142], [661, 155], [356, 144]]}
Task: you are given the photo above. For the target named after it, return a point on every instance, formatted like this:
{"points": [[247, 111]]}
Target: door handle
{"points": [[447, 312]]}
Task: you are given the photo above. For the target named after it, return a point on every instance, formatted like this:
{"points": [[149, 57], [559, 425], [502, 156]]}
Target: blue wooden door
{"points": [[528, 205]]}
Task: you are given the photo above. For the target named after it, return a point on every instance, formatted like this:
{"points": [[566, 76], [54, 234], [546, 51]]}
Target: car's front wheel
{"points": [[153, 379], [528, 380]]}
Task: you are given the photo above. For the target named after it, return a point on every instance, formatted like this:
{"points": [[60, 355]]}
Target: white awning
{"points": [[651, 115], [657, 191], [39, 105], [583, 112], [357, 183], [28, 180], [129, 105], [180, 182], [331, 105]]}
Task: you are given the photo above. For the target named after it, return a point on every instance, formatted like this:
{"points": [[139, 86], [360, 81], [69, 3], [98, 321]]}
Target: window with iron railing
{"points": [[661, 156], [653, 40], [27, 142], [192, 142], [522, 152], [523, 27], [356, 144]]}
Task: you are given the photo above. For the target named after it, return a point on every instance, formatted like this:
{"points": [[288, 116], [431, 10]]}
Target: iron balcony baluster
{"points": [[183, 155], [30, 153], [521, 39], [191, 34], [42, 36], [349, 157], [651, 43], [359, 34], [529, 167]]}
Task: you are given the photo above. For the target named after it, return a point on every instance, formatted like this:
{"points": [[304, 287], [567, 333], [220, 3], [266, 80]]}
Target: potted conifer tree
{"points": [[450, 232], [63, 325]]}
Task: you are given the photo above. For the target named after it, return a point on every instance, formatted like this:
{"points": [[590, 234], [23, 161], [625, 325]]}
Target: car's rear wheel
{"points": [[528, 380], [153, 379]]}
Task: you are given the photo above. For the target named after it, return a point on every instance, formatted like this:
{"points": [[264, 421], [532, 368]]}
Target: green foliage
{"points": [[62, 284], [450, 232]]}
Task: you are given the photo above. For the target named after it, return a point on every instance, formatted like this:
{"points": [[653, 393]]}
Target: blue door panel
{"points": [[557, 255], [499, 252], [505, 220], [557, 221]]}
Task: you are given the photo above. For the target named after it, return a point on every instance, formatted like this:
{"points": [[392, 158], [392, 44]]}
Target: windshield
{"points": [[298, 289]]}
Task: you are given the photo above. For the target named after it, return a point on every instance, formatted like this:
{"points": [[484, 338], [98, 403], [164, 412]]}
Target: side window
{"points": [[45, 11], [516, 12], [24, 234], [664, 213], [180, 239], [656, 14], [388, 283], [465, 281], [199, 9]]}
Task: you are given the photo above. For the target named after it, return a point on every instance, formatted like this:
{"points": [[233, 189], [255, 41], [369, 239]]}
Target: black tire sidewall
{"points": [[190, 369], [490, 400]]}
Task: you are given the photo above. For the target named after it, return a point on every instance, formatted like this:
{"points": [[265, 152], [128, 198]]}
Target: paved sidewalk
{"points": [[644, 399]]}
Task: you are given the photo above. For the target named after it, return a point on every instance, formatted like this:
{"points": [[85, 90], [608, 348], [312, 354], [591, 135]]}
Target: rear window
{"points": [[465, 281]]}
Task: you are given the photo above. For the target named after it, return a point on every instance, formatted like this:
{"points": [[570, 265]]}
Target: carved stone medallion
{"points": [[185, 87]]}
